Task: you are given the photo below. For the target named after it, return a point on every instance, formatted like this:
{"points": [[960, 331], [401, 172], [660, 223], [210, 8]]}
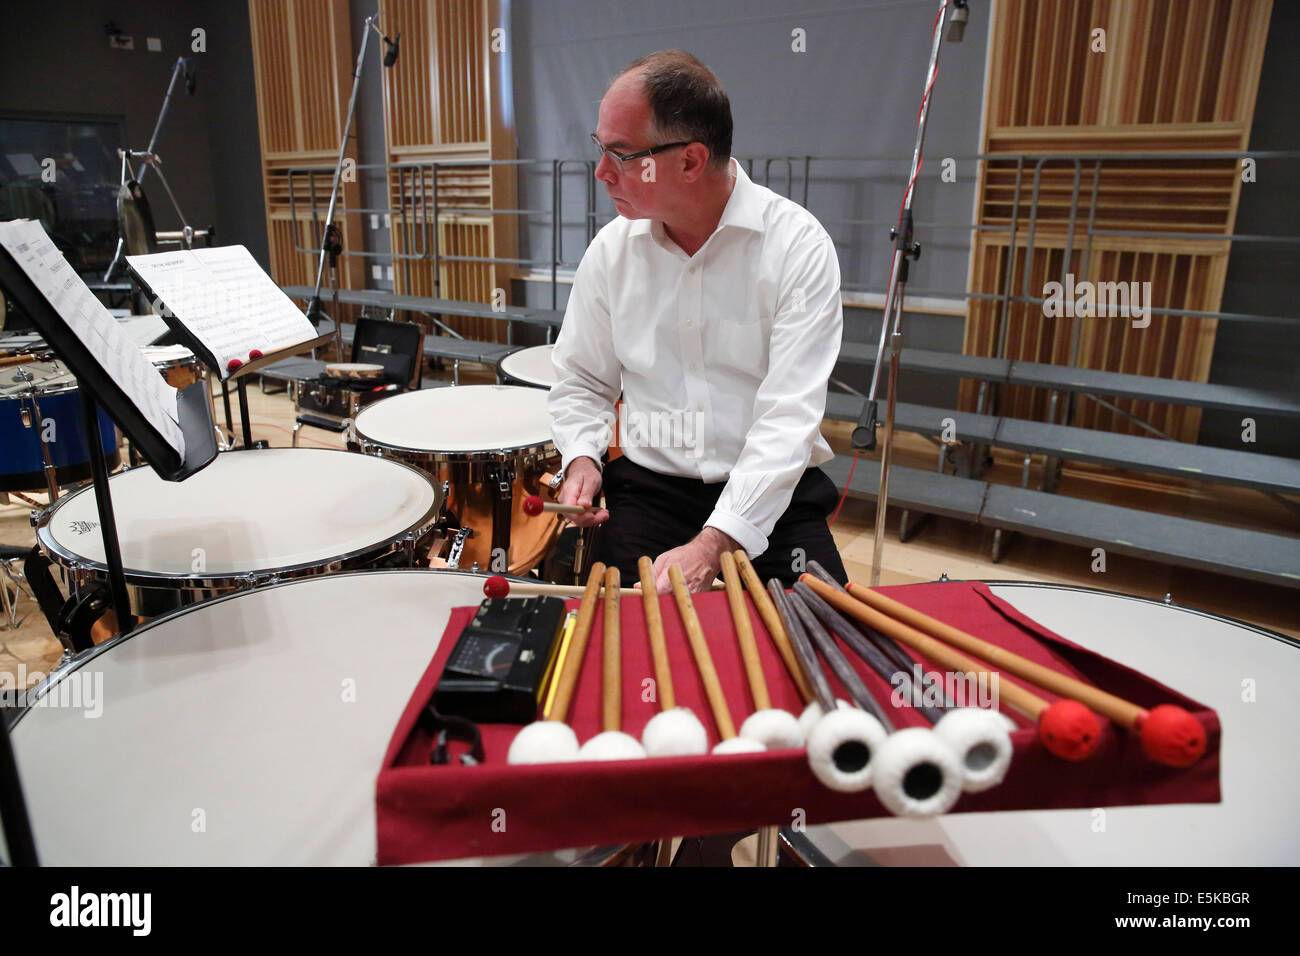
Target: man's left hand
{"points": [[700, 560]]}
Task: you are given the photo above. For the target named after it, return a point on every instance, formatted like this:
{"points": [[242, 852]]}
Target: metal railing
{"points": [[420, 212]]}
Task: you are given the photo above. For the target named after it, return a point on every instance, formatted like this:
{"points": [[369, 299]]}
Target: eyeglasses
{"points": [[618, 159]]}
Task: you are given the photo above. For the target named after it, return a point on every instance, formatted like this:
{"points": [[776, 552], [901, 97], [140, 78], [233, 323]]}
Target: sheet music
{"points": [[225, 299], [119, 357]]}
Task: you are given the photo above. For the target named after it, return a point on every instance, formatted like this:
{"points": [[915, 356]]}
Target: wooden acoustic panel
{"points": [[447, 103], [302, 64], [1174, 78]]}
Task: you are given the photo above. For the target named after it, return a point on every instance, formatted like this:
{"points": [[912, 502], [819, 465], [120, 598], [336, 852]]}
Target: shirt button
{"points": [[694, 367], [699, 406], [691, 270], [690, 324]]}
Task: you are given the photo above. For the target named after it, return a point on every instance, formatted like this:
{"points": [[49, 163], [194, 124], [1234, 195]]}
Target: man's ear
{"points": [[695, 160]]}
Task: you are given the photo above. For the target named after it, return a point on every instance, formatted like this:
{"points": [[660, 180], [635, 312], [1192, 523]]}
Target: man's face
{"points": [[625, 126]]}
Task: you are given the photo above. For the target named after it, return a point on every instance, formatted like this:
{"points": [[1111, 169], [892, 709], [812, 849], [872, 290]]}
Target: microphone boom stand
{"points": [[331, 240], [891, 324]]}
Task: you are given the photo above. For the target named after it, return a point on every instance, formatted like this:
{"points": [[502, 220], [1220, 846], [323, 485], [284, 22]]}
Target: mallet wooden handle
{"points": [[613, 689], [654, 623], [745, 633], [942, 654], [703, 659], [546, 589], [22, 359], [578, 645], [1108, 705], [775, 627]]}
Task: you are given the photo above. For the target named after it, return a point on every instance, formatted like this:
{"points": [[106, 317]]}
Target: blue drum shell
{"points": [[21, 463]]}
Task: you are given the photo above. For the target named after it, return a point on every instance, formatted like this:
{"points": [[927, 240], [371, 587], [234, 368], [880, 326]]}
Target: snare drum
{"points": [[52, 390], [245, 731], [530, 366], [1244, 672], [488, 445], [248, 518]]}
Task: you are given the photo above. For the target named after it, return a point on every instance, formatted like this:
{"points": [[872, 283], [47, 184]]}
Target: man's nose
{"points": [[606, 170]]}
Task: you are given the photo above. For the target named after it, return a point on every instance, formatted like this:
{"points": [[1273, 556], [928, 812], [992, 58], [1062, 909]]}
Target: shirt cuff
{"points": [[582, 450], [750, 538]]}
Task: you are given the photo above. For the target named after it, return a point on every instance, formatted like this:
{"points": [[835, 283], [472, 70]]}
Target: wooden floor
{"points": [[943, 546]]}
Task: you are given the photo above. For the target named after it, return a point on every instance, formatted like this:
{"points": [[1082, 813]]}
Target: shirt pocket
{"points": [[740, 342]]}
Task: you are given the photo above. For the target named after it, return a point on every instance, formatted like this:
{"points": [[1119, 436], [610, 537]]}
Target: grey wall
{"points": [[853, 92], [847, 95]]}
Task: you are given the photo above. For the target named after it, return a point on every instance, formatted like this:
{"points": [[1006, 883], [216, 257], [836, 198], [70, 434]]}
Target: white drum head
{"points": [[466, 418], [265, 715], [248, 511], [531, 365]]}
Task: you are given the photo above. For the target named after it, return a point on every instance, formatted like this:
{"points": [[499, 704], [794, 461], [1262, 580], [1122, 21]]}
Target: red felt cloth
{"points": [[452, 811]]}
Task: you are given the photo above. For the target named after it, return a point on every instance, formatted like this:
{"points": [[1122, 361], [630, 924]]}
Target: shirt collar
{"points": [[744, 208]]}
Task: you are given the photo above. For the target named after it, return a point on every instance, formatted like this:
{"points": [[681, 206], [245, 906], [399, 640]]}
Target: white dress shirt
{"points": [[722, 358]]}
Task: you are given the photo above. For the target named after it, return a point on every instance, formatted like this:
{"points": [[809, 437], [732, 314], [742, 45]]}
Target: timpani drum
{"points": [[249, 518], [530, 366], [488, 446], [1244, 672], [245, 731]]}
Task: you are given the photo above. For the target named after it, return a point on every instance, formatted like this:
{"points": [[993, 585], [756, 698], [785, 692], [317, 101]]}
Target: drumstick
{"points": [[728, 741], [773, 728], [655, 626], [744, 633], [1067, 728], [550, 739], [613, 671], [533, 506], [772, 620], [611, 743], [22, 359], [498, 586], [1170, 735]]}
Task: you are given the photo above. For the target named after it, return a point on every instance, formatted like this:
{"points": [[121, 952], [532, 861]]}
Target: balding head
{"points": [[685, 100]]}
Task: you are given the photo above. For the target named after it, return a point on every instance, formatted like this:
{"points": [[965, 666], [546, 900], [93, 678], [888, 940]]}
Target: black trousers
{"points": [[650, 513]]}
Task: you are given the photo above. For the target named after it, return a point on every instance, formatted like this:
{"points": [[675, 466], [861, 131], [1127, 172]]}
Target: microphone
{"points": [[957, 25], [390, 57]]}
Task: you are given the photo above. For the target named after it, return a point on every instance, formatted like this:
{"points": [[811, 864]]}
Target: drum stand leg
{"points": [[767, 846]]}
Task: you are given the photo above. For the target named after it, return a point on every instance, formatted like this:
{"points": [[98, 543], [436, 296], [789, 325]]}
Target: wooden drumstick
{"points": [[703, 659], [775, 626], [655, 626], [744, 633], [22, 359], [498, 586], [1175, 737], [613, 683], [534, 505], [578, 645]]}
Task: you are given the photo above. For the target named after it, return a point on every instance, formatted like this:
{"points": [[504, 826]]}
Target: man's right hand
{"points": [[582, 487]]}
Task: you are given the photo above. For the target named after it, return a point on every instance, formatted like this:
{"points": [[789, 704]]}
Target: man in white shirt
{"points": [[712, 305]]}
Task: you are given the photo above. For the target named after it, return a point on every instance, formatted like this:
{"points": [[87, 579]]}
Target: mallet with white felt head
{"points": [[774, 729], [552, 740], [729, 742], [674, 731]]}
